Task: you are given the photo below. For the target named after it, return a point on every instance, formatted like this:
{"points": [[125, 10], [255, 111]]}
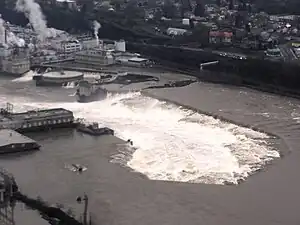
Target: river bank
{"points": [[263, 75]]}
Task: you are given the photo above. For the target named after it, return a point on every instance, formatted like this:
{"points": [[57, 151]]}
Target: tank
{"points": [[94, 129], [88, 91], [57, 77]]}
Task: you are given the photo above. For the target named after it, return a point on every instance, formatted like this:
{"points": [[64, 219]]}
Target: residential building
{"points": [[216, 37]]}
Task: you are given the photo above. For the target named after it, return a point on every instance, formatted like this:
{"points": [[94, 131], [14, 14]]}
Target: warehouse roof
{"points": [[8, 137]]}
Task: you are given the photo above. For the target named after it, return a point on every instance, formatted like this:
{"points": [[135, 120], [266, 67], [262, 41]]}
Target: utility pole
{"points": [[86, 202]]}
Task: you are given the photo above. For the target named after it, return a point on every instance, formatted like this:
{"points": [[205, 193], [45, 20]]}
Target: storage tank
{"points": [[186, 21], [120, 46]]}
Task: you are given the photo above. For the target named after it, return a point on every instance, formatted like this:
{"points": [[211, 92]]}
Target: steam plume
{"points": [[97, 26], [35, 16], [2, 31], [12, 39]]}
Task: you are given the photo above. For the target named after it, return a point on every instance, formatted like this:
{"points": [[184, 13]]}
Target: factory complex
{"points": [[20, 49]]}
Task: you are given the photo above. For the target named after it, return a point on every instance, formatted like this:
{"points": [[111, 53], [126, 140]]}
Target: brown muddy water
{"points": [[122, 197]]}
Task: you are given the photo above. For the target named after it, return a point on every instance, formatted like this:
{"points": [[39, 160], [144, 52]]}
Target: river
{"points": [[174, 172]]}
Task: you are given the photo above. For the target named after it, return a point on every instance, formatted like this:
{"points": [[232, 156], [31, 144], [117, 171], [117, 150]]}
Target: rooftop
{"points": [[8, 137], [39, 114]]}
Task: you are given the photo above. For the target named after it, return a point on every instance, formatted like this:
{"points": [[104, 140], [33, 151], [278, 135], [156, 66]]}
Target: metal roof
{"points": [[8, 137], [42, 114]]}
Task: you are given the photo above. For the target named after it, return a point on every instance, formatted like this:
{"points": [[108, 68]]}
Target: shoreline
{"points": [[231, 79]]}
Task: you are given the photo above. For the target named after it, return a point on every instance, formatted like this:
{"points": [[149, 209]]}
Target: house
{"points": [[216, 37]]}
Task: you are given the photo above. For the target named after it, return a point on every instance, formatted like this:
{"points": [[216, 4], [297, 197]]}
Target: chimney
{"points": [[5, 36]]}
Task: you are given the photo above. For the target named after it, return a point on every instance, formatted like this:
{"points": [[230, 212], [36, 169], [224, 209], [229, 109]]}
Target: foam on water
{"points": [[26, 77], [70, 85], [172, 143]]}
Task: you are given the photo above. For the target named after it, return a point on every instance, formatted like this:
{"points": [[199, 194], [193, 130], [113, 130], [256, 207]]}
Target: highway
{"points": [[220, 53]]}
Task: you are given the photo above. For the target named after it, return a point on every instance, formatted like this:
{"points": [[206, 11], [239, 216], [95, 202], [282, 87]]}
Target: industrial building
{"points": [[35, 120], [71, 46], [132, 61], [95, 57], [14, 60]]}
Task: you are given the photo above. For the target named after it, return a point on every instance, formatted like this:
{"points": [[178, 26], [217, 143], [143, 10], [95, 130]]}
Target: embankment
{"points": [[264, 75], [48, 211]]}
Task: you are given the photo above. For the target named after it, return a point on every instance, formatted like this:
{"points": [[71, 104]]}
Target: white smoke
{"points": [[2, 31], [12, 39], [36, 18], [97, 26]]}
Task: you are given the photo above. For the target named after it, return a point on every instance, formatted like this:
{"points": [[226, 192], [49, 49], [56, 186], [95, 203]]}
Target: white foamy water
{"points": [[26, 77], [171, 143], [70, 85]]}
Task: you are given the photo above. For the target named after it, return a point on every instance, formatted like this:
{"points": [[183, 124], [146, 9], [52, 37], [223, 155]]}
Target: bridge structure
{"points": [[7, 188], [207, 64]]}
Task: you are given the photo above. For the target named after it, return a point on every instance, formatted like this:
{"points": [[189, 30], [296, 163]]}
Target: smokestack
{"points": [[2, 30], [5, 36]]}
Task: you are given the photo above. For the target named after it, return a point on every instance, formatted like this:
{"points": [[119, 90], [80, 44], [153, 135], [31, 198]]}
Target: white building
{"points": [[95, 58], [90, 43], [120, 46], [132, 61], [71, 46]]}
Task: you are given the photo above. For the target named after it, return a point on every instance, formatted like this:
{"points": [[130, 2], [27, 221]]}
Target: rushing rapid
{"points": [[172, 143]]}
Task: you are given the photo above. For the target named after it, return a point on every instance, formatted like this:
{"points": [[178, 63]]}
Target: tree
{"points": [[117, 4], [231, 5], [199, 10], [168, 9]]}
